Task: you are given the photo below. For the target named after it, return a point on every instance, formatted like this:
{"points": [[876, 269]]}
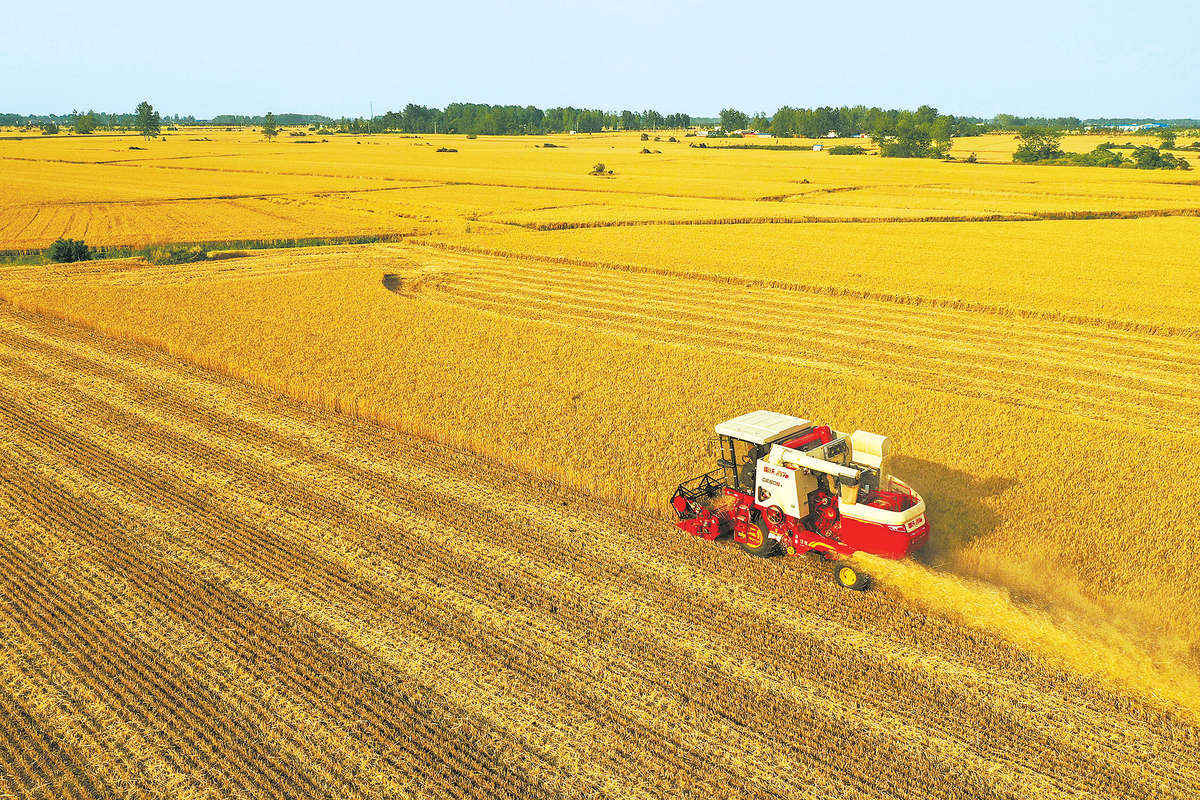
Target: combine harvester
{"points": [[783, 482]]}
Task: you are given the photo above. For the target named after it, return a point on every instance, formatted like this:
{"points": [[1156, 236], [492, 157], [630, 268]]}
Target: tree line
{"points": [[1041, 145], [923, 133], [487, 120], [898, 133]]}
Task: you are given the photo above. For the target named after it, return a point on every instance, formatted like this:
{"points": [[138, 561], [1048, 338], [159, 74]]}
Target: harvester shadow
{"points": [[956, 503]]}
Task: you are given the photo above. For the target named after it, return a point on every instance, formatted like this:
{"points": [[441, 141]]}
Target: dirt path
{"points": [[206, 589]]}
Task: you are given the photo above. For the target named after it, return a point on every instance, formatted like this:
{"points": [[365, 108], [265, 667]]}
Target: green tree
{"points": [[1146, 157], [942, 130], [589, 122], [64, 251], [760, 123], [49, 128], [148, 122], [84, 123], [907, 134], [1037, 144], [269, 128], [912, 139], [733, 120]]}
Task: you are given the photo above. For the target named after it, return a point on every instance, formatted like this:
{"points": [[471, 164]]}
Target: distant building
{"points": [[1142, 127]]}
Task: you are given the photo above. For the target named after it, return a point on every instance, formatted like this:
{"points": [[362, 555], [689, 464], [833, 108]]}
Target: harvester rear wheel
{"points": [[757, 543], [849, 577]]}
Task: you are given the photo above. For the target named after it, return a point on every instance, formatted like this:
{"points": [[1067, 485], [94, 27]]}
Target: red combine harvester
{"points": [[783, 482]]}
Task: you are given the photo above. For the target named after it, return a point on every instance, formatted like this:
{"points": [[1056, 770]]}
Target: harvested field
{"points": [[209, 590]]}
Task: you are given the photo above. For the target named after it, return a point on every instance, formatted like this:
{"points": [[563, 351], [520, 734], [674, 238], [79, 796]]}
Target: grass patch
{"points": [[162, 252]]}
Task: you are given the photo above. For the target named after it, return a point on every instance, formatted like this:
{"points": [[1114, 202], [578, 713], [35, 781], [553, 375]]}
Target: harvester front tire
{"points": [[760, 545], [849, 577]]}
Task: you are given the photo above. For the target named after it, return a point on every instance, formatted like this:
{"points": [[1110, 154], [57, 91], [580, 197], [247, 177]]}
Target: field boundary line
{"points": [[1031, 216]]}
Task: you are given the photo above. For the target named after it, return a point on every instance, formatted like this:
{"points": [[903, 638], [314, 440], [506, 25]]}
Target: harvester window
{"points": [[726, 461], [741, 451], [735, 453]]}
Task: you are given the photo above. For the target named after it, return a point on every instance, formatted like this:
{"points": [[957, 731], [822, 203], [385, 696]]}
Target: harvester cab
{"points": [[784, 483]]}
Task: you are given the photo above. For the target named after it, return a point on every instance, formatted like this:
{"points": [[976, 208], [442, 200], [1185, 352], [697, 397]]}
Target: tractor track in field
{"points": [[1117, 375], [428, 610]]}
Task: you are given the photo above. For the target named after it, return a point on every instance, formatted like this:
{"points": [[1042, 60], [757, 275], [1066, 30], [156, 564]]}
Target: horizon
{"points": [[694, 118]]}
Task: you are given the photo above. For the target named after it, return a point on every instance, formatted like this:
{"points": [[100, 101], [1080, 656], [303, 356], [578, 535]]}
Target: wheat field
{"points": [[394, 513]]}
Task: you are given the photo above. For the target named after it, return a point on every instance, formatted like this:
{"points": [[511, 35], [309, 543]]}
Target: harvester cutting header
{"points": [[783, 482]]}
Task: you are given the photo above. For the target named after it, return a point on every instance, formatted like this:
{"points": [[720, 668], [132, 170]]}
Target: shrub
{"points": [[49, 129], [174, 254], [471, 136], [971, 159], [645, 137], [1038, 144], [1150, 158], [847, 150], [65, 251]]}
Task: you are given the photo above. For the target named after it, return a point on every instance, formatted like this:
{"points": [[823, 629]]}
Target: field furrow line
{"points": [[685, 297], [105, 591], [840, 335], [129, 677], [344, 589], [854, 319], [328, 678], [35, 763]]}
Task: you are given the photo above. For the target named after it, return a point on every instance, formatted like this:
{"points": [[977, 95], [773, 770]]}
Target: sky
{"points": [[1070, 58]]}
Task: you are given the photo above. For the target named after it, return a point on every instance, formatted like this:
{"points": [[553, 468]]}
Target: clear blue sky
{"points": [[208, 57]]}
